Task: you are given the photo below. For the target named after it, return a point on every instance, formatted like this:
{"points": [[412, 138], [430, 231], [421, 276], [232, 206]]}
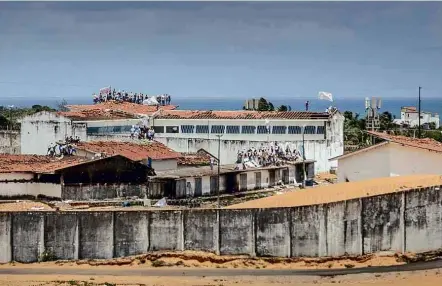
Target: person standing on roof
{"points": [[307, 103]]}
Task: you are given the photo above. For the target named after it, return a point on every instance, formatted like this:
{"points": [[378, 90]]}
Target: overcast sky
{"points": [[230, 50]]}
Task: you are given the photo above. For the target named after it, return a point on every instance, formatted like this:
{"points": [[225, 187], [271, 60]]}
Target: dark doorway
{"points": [[257, 180], [198, 187], [243, 182], [271, 178], [213, 185]]}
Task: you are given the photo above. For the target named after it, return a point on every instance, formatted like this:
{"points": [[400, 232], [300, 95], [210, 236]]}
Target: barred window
{"points": [[172, 129], [232, 129], [248, 129], [310, 130], [320, 130], [219, 129], [261, 130], [202, 129], [187, 128], [158, 129], [279, 129], [295, 130]]}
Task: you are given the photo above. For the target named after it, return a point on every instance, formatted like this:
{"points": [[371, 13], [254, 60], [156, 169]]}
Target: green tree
{"points": [[62, 105], [4, 122], [283, 108], [264, 105], [386, 121]]}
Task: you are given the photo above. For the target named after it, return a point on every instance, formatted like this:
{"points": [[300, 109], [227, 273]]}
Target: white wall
{"points": [[38, 131], [30, 188], [16, 176], [374, 163], [163, 165], [407, 161], [387, 161], [9, 142]]}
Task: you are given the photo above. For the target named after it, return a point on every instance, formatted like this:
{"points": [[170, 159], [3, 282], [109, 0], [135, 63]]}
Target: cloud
{"points": [[242, 26]]}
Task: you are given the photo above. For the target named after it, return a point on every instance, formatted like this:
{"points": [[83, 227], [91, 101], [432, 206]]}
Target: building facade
{"points": [[40, 130], [410, 117], [396, 156], [234, 131]]}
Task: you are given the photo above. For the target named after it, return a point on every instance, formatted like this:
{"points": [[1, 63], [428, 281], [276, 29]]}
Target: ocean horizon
{"points": [[357, 105]]}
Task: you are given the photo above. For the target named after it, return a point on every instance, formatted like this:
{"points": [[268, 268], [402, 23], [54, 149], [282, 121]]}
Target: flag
{"points": [[105, 90], [325, 95]]}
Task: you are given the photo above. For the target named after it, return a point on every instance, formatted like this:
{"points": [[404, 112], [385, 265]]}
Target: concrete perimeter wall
{"points": [[406, 221]]}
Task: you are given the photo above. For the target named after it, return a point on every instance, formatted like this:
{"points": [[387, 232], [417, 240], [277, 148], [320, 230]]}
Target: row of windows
{"points": [[246, 129], [107, 130]]}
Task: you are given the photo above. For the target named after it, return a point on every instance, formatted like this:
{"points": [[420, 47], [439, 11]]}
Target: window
{"points": [[262, 130], [232, 129], [158, 129], [295, 130], [107, 130], [320, 130], [187, 128], [202, 129], [247, 129], [217, 129], [279, 129], [310, 130], [172, 129]]}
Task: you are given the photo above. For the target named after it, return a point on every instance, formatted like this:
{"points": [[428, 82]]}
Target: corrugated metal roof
{"points": [[239, 114]]}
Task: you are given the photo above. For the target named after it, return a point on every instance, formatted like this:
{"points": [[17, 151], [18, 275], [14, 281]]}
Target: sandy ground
{"points": [[343, 191], [199, 259], [421, 278]]}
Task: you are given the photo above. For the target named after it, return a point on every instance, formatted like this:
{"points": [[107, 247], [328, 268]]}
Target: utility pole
{"points": [[219, 168], [419, 114], [303, 158]]}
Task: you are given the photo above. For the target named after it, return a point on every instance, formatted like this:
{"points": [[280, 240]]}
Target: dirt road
{"points": [[421, 278]]}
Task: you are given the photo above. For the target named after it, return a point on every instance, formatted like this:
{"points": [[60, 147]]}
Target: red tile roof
{"points": [[128, 107], [96, 114], [239, 114], [130, 150], [36, 163], [424, 143], [410, 109]]}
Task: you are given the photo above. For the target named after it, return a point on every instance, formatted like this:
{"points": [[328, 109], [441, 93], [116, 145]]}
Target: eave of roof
{"points": [[369, 148]]}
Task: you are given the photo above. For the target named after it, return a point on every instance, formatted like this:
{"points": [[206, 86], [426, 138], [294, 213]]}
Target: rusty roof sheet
{"points": [[131, 150], [36, 163], [197, 159], [127, 107], [239, 114], [424, 143]]}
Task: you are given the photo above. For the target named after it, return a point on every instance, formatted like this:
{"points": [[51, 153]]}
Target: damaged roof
{"points": [[424, 143], [239, 114], [96, 114], [131, 150], [197, 159], [36, 163], [126, 107]]}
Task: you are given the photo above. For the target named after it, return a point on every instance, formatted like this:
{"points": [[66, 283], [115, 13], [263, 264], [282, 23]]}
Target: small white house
{"points": [[395, 156], [410, 117]]}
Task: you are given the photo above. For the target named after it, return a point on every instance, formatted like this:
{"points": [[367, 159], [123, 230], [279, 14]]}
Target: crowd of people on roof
{"points": [[66, 148], [106, 94], [272, 155], [142, 132]]}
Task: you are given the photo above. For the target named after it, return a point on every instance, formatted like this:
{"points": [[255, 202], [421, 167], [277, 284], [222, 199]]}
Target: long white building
{"points": [[189, 131]]}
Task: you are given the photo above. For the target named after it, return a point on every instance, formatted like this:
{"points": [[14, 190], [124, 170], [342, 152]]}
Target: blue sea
{"points": [[356, 105]]}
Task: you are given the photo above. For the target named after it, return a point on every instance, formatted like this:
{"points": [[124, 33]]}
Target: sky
{"points": [[222, 50]]}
